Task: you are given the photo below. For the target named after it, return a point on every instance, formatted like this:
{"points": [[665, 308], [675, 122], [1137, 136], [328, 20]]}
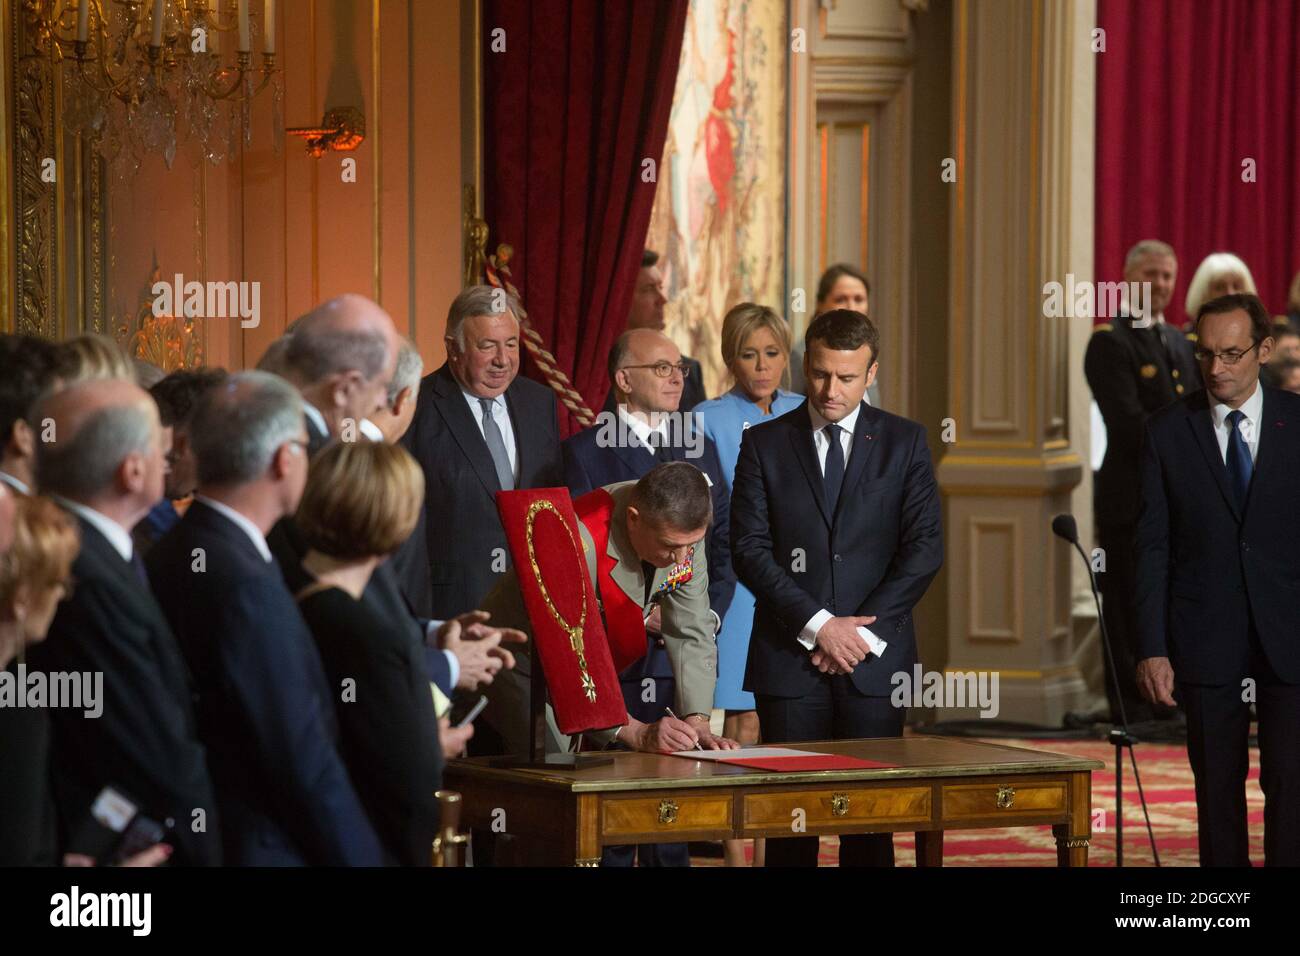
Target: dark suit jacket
{"points": [[146, 742], [467, 549], [588, 466], [28, 836], [875, 555], [1131, 376], [692, 389], [389, 732], [265, 709], [1207, 569]]}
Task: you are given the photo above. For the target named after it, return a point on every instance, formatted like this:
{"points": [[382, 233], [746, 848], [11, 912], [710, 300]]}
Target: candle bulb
{"points": [[159, 8], [269, 28], [243, 25], [83, 20]]}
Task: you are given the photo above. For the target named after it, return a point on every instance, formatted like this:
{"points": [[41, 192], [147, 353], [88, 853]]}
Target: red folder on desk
{"points": [[804, 764]]}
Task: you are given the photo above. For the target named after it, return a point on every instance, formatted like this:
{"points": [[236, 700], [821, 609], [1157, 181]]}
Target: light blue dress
{"points": [[725, 420]]}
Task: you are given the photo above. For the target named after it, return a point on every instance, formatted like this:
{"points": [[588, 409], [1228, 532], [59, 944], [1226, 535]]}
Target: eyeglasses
{"points": [[665, 369], [1230, 357]]}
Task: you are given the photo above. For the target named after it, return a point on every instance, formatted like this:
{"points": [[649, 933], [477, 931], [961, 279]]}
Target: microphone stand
{"points": [[1119, 735]]}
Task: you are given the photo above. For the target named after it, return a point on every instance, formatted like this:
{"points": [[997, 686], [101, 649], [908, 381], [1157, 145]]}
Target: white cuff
{"points": [[808, 636], [455, 669], [431, 632]]}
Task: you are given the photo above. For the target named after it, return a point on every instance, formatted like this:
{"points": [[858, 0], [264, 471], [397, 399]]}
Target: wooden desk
{"points": [[938, 783]]}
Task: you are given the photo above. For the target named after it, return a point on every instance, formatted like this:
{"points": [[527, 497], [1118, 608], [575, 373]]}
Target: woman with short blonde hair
{"points": [[91, 356], [34, 577], [1220, 273], [361, 502]]}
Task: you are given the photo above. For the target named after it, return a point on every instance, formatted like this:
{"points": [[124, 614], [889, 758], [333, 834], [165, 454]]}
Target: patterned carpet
{"points": [[1167, 780]]}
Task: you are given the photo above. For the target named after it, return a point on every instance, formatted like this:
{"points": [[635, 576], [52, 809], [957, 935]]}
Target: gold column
{"points": [[1021, 215]]}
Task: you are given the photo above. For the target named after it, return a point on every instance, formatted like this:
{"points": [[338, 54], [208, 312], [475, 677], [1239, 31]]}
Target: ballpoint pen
{"points": [[675, 717]]}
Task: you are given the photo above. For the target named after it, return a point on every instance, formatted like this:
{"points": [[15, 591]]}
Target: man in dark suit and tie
{"points": [[1218, 587], [479, 428], [835, 527], [648, 301], [105, 467], [264, 706], [1134, 368]]}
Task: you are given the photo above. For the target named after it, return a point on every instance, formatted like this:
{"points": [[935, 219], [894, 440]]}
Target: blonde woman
{"points": [[756, 351], [361, 502], [92, 356], [1220, 273]]}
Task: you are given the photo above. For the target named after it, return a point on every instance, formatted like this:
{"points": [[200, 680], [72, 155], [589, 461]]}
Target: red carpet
{"points": [[1167, 780]]}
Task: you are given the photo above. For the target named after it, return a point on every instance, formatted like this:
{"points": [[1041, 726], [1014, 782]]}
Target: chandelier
{"points": [[141, 75]]}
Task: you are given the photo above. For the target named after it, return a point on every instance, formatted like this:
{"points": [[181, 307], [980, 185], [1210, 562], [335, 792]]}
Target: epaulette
{"points": [[1104, 327]]}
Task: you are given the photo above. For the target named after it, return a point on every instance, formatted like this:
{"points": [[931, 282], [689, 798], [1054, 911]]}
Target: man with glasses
{"points": [[1134, 368], [1218, 586], [644, 429]]}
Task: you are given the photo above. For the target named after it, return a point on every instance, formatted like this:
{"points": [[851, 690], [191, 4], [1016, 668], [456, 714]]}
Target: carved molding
{"points": [[58, 248]]}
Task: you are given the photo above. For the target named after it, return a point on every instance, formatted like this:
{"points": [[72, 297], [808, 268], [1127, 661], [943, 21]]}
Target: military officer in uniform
{"points": [[1134, 367]]}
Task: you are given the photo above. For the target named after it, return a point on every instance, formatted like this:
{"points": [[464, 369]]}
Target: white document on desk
{"points": [[743, 753]]}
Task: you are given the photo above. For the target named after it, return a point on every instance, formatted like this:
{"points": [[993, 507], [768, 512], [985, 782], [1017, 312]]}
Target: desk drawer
{"points": [[688, 815], [980, 801], [833, 808]]}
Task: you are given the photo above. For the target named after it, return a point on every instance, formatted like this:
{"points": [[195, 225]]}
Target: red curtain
{"points": [[1186, 92], [577, 101]]}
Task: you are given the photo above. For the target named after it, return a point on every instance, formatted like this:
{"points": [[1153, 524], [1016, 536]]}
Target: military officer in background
{"points": [[1134, 367]]}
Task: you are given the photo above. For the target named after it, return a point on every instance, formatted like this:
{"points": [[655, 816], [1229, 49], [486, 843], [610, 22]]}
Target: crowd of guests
{"points": [[277, 574], [282, 574]]}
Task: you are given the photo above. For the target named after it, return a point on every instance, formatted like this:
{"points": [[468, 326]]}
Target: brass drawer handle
{"points": [[1006, 797], [667, 811], [839, 804]]}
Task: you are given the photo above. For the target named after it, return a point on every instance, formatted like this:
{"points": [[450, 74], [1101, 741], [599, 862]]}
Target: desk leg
{"points": [[1072, 838], [929, 848], [587, 838]]}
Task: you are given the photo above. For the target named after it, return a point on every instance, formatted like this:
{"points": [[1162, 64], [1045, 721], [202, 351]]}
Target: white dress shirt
{"points": [[821, 442], [118, 537], [641, 428], [500, 415], [253, 531], [1252, 408]]}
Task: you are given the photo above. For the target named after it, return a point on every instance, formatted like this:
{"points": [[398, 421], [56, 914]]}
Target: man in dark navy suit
{"points": [[479, 428], [265, 710], [835, 527], [1218, 587], [644, 430], [106, 469]]}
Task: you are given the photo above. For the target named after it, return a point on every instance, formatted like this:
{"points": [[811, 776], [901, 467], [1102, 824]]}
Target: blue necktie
{"points": [[1239, 463], [834, 474], [137, 565]]}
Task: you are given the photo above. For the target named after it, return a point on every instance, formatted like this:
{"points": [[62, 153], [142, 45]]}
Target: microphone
{"points": [[1065, 527]]}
